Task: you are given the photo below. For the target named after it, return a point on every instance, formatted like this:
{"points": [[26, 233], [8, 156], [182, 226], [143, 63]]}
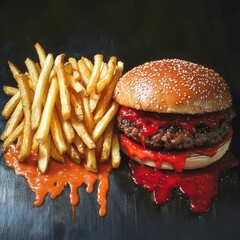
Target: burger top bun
{"points": [[173, 86]]}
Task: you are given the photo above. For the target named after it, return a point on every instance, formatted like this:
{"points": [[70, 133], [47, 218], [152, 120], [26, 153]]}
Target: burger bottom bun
{"points": [[194, 161]]}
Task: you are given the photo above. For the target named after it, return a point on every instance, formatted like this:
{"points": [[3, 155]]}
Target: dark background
{"points": [[202, 31]]}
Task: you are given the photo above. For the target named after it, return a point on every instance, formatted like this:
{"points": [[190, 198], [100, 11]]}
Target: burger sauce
{"points": [[199, 186], [58, 176], [151, 122]]}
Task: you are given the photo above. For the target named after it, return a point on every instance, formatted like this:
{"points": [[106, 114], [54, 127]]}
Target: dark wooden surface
{"points": [[207, 32]]}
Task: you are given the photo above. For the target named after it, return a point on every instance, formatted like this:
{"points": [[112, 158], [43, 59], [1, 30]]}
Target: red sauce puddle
{"points": [[58, 176], [199, 186]]}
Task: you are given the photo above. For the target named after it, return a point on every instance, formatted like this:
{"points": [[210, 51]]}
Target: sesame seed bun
{"points": [[173, 86]]}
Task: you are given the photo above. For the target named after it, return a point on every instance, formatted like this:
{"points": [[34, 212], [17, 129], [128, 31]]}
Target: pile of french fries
{"points": [[63, 107]]}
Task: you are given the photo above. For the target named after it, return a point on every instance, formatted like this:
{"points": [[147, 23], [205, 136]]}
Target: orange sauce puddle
{"points": [[58, 176]]}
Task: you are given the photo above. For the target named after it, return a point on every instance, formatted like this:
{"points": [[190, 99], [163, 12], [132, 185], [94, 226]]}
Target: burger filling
{"points": [[173, 131]]}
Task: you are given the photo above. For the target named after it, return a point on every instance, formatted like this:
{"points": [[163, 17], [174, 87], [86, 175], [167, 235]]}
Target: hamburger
{"points": [[174, 114]]}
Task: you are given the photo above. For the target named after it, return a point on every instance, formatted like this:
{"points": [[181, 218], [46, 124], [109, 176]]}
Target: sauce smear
{"points": [[58, 176], [200, 186]]}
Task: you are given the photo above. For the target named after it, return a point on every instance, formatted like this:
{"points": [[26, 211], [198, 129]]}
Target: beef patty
{"points": [[174, 137]]}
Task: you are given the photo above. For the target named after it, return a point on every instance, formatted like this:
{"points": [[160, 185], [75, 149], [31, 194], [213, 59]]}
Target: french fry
{"points": [[44, 126], [105, 81], [76, 74], [82, 132], [44, 154], [13, 121], [57, 134], [99, 145], [103, 123], [88, 63], [77, 106], [115, 154], [55, 155], [64, 93], [10, 91], [74, 63], [78, 142], [74, 154], [76, 85], [40, 91], [13, 137], [88, 116], [107, 97], [91, 163], [68, 129], [93, 100], [107, 142], [84, 71], [68, 68], [15, 71], [41, 54], [19, 141], [32, 71], [25, 149], [95, 73], [11, 105], [104, 71]]}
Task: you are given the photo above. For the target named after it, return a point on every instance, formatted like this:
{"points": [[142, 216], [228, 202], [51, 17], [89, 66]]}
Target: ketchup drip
{"points": [[200, 186], [150, 122], [58, 176], [177, 158]]}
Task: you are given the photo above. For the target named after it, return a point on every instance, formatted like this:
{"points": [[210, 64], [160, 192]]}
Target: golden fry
{"points": [[88, 116], [77, 106], [44, 126], [25, 149], [41, 54], [88, 63], [40, 91], [12, 137], [74, 154], [105, 81], [44, 154], [107, 97], [107, 142], [84, 71], [93, 100], [19, 141], [76, 85], [95, 73], [11, 105], [64, 93], [10, 91], [115, 154], [57, 134], [13, 121], [82, 132], [68, 129], [91, 163], [32, 71], [103, 123], [55, 155], [78, 142], [68, 68], [15, 71]]}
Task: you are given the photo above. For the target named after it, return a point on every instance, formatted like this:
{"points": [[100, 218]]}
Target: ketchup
{"points": [[199, 186], [58, 176], [176, 158], [151, 124]]}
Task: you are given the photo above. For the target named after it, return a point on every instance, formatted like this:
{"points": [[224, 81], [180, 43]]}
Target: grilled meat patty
{"points": [[174, 137]]}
